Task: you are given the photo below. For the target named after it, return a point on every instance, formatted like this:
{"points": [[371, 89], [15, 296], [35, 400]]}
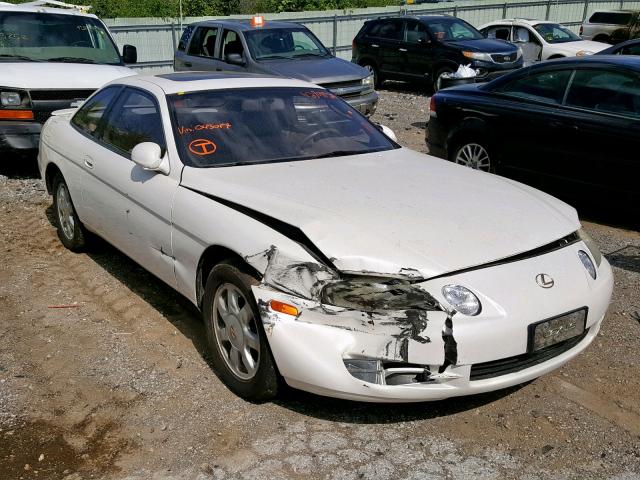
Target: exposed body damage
{"points": [[391, 319]]}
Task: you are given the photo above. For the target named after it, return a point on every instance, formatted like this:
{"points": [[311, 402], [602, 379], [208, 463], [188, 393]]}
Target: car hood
{"points": [[50, 75], [394, 211], [486, 45], [316, 70], [571, 48]]}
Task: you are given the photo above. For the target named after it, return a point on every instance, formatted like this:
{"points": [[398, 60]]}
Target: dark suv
{"points": [[278, 48], [424, 48]]}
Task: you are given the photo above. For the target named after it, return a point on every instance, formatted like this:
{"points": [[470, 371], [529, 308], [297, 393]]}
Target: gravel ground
{"points": [[115, 384]]}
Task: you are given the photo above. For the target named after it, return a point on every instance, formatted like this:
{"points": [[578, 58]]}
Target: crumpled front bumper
{"points": [[310, 349], [20, 137]]}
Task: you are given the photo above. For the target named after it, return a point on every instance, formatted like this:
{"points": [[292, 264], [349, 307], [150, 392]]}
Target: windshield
{"points": [[554, 33], [260, 125], [284, 42], [452, 29], [31, 36]]}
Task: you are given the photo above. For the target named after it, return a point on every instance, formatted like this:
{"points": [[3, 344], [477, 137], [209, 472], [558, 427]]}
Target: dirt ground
{"points": [[103, 375]]}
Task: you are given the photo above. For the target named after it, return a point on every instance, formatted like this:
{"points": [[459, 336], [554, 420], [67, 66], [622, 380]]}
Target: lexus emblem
{"points": [[544, 280]]}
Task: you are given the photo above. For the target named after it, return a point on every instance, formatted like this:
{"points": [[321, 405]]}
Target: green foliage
{"points": [[202, 8]]}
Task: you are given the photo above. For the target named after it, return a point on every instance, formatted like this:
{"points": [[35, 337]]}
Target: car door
{"points": [[80, 151], [532, 129], [136, 202], [418, 54], [385, 38], [527, 40], [200, 53], [605, 107]]}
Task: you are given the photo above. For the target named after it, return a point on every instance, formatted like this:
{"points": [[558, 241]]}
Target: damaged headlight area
{"points": [[462, 299], [372, 294]]}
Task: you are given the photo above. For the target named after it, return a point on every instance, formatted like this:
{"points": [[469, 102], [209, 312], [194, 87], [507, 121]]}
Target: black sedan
{"points": [[630, 47], [568, 126]]}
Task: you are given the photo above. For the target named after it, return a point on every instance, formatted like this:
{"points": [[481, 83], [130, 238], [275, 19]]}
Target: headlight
{"points": [[462, 299], [10, 99], [368, 82], [485, 57], [582, 53], [591, 245], [588, 264], [377, 295]]}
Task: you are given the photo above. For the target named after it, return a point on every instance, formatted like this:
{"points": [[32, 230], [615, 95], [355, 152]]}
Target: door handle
{"points": [[374, 45], [402, 49], [188, 64], [88, 162]]}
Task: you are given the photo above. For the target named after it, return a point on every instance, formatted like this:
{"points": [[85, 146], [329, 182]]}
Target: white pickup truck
{"points": [[50, 59]]}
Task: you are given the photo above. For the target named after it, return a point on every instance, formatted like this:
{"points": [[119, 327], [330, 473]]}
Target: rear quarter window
{"points": [[611, 18], [184, 40], [88, 117], [546, 87]]}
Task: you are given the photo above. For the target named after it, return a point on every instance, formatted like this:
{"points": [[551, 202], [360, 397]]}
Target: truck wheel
{"points": [[237, 342]]}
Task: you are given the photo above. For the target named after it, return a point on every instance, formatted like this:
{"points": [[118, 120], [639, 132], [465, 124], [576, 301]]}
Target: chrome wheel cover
{"points": [[475, 156], [236, 331], [66, 217]]}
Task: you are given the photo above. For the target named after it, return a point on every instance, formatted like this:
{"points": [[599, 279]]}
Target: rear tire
{"points": [[71, 232], [237, 341], [473, 153]]}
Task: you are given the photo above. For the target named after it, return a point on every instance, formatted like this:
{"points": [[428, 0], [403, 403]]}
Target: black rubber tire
{"points": [[439, 72], [264, 385], [377, 78], [78, 241]]}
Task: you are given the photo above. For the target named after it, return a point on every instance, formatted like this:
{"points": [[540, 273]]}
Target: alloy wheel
{"points": [[66, 216], [475, 156], [236, 331]]}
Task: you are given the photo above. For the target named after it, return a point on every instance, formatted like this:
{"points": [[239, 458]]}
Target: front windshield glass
{"points": [[554, 33], [451, 29], [284, 42], [219, 128], [32, 36]]}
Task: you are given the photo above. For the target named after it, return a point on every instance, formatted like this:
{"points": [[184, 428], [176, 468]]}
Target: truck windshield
{"points": [[219, 128], [35, 36], [284, 42]]}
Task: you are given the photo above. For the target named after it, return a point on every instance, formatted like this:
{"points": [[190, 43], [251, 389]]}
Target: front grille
{"points": [[60, 94], [504, 58], [481, 371], [351, 88]]}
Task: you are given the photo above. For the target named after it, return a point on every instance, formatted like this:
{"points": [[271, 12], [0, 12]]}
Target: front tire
{"points": [[237, 342], [70, 230], [438, 77], [473, 153]]}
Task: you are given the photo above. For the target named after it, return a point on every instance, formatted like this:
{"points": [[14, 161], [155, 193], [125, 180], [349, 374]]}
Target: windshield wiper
{"points": [[311, 54], [269, 57], [19, 57], [340, 153], [70, 60]]}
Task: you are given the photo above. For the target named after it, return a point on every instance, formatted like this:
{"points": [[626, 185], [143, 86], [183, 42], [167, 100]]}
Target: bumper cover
{"points": [[365, 104], [19, 136], [310, 349]]}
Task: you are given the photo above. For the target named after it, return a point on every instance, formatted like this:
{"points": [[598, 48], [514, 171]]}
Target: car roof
{"points": [[39, 9], [180, 82], [244, 25], [628, 61]]}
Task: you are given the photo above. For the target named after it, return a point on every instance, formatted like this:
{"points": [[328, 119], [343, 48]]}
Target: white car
{"points": [[318, 249], [541, 40], [50, 58]]}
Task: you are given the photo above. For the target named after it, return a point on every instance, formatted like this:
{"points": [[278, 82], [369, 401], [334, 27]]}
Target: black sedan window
{"points": [[260, 125], [605, 91], [547, 87]]}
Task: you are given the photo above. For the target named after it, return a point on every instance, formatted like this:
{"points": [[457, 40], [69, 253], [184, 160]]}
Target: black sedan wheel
{"points": [[473, 155]]}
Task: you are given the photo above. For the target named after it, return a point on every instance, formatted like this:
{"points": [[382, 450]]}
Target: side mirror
{"points": [[235, 59], [129, 54], [148, 155], [387, 131]]}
